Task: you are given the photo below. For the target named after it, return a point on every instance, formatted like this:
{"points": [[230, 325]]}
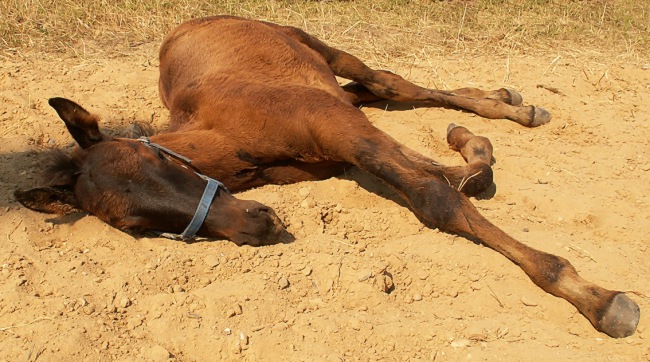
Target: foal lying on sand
{"points": [[253, 103]]}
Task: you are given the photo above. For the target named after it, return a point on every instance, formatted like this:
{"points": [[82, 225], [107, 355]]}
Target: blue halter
{"points": [[206, 200]]}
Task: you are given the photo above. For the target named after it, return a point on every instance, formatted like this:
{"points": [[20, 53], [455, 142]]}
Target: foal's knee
{"points": [[478, 178]]}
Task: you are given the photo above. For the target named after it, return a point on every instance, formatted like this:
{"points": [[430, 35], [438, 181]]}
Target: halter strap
{"points": [[146, 141], [203, 208], [204, 204]]}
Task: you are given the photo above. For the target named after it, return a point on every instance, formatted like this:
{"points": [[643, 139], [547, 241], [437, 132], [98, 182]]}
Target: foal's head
{"points": [[133, 186]]}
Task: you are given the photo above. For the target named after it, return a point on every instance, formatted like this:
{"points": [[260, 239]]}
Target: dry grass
{"points": [[379, 30]]}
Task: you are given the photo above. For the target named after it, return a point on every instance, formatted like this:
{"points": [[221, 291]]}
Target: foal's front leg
{"points": [[437, 204]]}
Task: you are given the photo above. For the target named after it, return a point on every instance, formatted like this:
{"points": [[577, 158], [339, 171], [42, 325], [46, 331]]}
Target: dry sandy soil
{"points": [[75, 289]]}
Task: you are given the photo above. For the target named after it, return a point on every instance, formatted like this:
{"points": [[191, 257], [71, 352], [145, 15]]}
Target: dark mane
{"points": [[61, 168]]}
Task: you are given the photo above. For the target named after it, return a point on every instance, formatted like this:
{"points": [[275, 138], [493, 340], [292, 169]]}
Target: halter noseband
{"points": [[206, 200]]}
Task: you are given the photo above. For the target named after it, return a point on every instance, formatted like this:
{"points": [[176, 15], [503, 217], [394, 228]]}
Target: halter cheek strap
{"points": [[203, 208], [206, 200]]}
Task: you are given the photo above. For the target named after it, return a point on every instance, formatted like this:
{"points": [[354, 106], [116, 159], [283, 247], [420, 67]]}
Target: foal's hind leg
{"points": [[391, 86], [359, 94]]}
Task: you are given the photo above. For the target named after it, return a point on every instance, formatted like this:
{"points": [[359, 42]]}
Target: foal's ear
{"points": [[51, 200], [81, 124]]}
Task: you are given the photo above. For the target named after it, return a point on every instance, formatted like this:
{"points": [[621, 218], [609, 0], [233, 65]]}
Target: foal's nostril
{"points": [[255, 212]]}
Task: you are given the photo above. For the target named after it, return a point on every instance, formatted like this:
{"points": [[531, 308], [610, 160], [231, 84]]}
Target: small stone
{"points": [[283, 283], [423, 275], [227, 331], [528, 302], [304, 191], [230, 313], [308, 204], [177, 288], [158, 354], [459, 343], [133, 323], [238, 309], [365, 276], [211, 261], [243, 338], [417, 297], [125, 302], [307, 271]]}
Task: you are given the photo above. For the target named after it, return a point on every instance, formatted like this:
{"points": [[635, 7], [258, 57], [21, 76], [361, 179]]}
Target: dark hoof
{"points": [[621, 317], [515, 97], [540, 117]]}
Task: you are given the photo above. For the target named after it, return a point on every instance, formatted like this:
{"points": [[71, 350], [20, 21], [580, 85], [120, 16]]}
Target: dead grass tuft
{"points": [[380, 31]]}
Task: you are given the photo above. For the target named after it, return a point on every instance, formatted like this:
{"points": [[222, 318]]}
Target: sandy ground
{"points": [[74, 289]]}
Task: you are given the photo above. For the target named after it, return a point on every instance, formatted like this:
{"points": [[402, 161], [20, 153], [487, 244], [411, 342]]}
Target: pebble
{"points": [[308, 204], [211, 261], [283, 283], [243, 338], [307, 271], [459, 343], [158, 354], [238, 309], [423, 275], [528, 302], [417, 297], [125, 302], [89, 309], [365, 276], [227, 331]]}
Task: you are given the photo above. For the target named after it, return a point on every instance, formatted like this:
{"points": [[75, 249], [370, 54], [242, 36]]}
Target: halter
{"points": [[206, 200]]}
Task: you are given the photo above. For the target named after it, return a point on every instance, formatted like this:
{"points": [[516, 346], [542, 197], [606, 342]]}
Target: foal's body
{"points": [[253, 103]]}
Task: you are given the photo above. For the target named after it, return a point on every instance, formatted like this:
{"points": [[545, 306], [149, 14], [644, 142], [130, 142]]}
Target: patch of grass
{"points": [[379, 31]]}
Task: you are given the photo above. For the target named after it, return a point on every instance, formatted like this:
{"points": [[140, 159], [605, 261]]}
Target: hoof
{"points": [[515, 97], [450, 127], [540, 117], [621, 317], [457, 136]]}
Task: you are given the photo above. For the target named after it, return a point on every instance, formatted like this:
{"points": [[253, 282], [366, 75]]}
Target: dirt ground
{"points": [[75, 289]]}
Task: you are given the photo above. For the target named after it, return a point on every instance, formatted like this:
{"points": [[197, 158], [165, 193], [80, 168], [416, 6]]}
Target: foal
{"points": [[254, 103]]}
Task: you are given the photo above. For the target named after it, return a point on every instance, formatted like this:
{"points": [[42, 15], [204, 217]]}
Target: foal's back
{"points": [[228, 63]]}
